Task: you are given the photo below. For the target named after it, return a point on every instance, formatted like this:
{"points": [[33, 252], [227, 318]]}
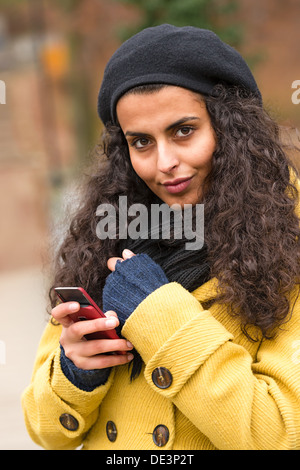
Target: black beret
{"points": [[188, 57]]}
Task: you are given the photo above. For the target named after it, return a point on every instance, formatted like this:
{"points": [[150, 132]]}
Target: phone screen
{"points": [[72, 294], [89, 310]]}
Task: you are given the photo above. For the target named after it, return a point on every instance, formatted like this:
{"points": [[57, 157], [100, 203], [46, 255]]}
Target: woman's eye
{"points": [[140, 143], [184, 131]]}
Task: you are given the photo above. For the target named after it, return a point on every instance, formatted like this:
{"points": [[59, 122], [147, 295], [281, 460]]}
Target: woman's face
{"points": [[170, 140]]}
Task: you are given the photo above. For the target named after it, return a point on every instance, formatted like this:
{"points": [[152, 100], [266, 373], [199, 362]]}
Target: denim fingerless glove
{"points": [[86, 380], [131, 282]]}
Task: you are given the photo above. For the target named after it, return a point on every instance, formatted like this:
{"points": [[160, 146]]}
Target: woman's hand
{"points": [[132, 279], [91, 354], [111, 263]]}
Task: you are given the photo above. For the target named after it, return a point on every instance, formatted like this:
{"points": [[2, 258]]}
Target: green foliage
{"points": [[216, 15], [66, 5]]}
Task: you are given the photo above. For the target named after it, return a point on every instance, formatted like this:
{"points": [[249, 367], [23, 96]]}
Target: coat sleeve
{"points": [[239, 403], [57, 413]]}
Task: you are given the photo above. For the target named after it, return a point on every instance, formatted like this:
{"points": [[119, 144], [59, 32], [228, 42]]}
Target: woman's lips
{"points": [[178, 185]]}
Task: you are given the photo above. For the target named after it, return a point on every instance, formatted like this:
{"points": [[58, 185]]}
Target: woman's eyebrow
{"points": [[182, 121], [171, 126], [135, 134]]}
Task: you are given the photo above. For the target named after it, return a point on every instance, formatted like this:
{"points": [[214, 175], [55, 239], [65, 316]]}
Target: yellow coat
{"points": [[221, 390]]}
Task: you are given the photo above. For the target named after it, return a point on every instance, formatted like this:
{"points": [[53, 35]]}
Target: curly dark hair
{"points": [[251, 228]]}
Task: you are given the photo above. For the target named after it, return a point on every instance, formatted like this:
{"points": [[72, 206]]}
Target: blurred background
{"points": [[52, 57]]}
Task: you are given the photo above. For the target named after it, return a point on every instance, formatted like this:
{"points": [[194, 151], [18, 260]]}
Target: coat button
{"points": [[69, 422], [162, 377], [111, 431], [160, 435]]}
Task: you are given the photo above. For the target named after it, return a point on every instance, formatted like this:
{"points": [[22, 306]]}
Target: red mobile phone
{"points": [[89, 310]]}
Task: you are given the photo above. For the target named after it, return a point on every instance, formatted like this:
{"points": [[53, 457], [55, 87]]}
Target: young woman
{"points": [[209, 336]]}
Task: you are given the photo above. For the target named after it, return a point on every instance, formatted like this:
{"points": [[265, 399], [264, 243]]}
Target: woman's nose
{"points": [[167, 158]]}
